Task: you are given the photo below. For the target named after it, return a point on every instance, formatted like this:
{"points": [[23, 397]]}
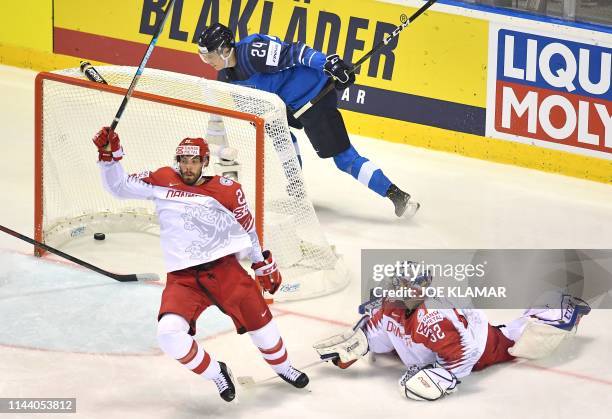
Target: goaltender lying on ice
{"points": [[439, 343]]}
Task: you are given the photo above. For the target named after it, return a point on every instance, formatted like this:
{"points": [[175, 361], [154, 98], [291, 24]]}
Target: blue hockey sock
{"points": [[363, 170]]}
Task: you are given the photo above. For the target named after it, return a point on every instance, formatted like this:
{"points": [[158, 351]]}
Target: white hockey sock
{"points": [[174, 340], [271, 346], [200, 362]]}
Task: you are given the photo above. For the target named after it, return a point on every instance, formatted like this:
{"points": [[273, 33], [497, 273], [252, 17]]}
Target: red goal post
{"points": [[38, 140], [70, 201]]}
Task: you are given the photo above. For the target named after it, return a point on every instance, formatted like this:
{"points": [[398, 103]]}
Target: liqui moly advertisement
{"points": [[551, 91]]}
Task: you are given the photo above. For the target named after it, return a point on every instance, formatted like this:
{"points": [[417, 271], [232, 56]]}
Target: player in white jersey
{"points": [[204, 221], [439, 344]]}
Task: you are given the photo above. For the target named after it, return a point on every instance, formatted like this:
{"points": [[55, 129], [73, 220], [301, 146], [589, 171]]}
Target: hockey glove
{"points": [[343, 350], [267, 274], [339, 71], [429, 383], [108, 150]]}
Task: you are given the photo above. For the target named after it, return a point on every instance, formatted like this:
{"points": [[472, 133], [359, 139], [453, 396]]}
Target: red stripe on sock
{"points": [[203, 365], [190, 355], [273, 350], [277, 360]]}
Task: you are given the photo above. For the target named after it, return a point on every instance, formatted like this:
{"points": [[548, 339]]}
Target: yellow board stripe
{"points": [[398, 131], [483, 148]]}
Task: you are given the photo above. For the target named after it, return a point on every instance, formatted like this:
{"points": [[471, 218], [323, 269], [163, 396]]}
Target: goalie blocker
{"points": [[427, 383]]}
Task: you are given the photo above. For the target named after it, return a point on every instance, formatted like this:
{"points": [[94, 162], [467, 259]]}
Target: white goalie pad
{"points": [[216, 136], [546, 328], [538, 340], [349, 346], [215, 131], [224, 153], [229, 169]]}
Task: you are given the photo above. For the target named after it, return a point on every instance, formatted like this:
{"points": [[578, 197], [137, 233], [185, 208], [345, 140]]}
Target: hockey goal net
{"points": [[167, 107]]}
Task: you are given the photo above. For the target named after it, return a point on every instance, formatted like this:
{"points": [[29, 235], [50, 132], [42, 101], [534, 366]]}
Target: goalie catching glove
{"points": [[429, 383], [267, 273], [343, 350], [108, 149]]}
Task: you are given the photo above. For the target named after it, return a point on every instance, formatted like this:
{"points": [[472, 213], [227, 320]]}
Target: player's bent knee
{"points": [[172, 323], [172, 335], [345, 159]]}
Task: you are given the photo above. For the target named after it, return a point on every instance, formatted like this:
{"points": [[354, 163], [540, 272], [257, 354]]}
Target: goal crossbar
{"points": [[257, 121]]}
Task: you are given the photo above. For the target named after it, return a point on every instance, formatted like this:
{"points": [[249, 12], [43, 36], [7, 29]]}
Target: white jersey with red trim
{"points": [[198, 224], [454, 338]]}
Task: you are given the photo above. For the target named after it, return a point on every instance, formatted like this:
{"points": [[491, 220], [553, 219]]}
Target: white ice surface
{"points": [[66, 332]]}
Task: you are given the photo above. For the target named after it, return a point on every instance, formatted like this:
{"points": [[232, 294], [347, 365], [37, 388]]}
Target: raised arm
{"points": [[114, 179]]}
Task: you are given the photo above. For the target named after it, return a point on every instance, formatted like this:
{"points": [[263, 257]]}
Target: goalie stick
{"points": [[247, 381], [330, 84], [116, 277]]}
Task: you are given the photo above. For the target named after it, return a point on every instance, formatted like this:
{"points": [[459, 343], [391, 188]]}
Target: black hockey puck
{"points": [[99, 236]]}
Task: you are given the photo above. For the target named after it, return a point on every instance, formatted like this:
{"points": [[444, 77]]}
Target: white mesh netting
{"points": [[74, 202]]}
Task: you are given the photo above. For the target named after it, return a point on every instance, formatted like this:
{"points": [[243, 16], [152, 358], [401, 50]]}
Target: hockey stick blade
{"points": [[147, 277], [116, 277], [248, 381]]}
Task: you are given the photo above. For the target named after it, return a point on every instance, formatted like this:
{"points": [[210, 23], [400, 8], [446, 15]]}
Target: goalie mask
{"points": [[409, 286], [191, 147]]}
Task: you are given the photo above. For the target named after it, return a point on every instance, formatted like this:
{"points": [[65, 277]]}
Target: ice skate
{"points": [[401, 200], [295, 377], [225, 383]]}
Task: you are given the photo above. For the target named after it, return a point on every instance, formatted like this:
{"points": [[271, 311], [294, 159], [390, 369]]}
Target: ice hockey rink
{"points": [[68, 332]]}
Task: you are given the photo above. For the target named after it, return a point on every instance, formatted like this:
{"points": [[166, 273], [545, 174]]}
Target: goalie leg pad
{"points": [[346, 347], [215, 131], [229, 169], [546, 328], [538, 340]]}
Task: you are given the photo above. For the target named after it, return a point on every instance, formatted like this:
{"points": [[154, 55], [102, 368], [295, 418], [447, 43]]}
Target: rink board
{"points": [[452, 82]]}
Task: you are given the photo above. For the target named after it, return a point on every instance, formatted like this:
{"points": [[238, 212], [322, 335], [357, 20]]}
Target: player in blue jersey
{"points": [[297, 73]]}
